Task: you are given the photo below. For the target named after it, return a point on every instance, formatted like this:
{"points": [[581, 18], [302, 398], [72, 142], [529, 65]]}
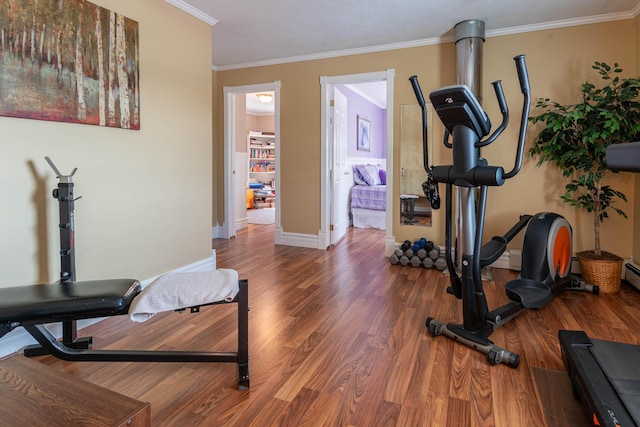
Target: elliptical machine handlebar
{"points": [[423, 106], [504, 109], [523, 77], [462, 115]]}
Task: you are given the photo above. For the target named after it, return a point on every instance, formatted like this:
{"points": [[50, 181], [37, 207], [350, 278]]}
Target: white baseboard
{"points": [[503, 262], [296, 239], [217, 232], [16, 340], [631, 273], [242, 223]]}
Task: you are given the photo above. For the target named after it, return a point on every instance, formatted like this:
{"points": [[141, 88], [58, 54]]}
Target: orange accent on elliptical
{"points": [[562, 251]]}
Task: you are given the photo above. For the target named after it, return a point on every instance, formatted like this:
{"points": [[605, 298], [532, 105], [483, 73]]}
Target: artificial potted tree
{"points": [[575, 138]]}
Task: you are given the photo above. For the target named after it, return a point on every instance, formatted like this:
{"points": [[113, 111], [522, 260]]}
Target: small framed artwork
{"points": [[364, 134]]}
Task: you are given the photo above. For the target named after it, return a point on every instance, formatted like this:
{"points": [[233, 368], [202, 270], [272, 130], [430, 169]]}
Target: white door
{"points": [[341, 175]]}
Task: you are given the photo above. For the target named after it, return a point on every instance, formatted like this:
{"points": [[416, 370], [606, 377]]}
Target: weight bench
{"points": [[34, 306]]}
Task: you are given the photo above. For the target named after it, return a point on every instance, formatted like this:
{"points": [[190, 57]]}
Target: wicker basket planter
{"points": [[604, 271]]}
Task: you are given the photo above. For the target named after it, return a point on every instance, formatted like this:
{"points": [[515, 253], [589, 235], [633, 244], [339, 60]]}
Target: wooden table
{"points": [[32, 394]]}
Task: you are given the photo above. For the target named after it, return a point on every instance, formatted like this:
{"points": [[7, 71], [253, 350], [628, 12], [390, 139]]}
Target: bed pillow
{"points": [[369, 174], [357, 176], [383, 176]]}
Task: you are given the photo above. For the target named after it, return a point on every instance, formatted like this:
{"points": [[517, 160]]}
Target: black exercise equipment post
{"points": [[64, 194], [544, 274]]}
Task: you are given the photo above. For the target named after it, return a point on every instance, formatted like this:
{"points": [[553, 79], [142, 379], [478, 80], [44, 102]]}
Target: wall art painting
{"points": [[69, 61], [364, 134]]}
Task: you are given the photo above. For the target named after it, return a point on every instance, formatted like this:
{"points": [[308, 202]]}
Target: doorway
{"points": [[328, 153], [236, 169]]}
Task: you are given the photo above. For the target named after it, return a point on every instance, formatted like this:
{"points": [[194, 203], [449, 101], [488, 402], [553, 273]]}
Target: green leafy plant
{"points": [[576, 136]]}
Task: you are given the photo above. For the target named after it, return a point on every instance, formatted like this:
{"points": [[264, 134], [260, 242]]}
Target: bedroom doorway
{"points": [[332, 150], [237, 163]]}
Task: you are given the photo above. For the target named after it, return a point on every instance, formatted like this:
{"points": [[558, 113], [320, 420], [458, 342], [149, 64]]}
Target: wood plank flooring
{"points": [[338, 338]]}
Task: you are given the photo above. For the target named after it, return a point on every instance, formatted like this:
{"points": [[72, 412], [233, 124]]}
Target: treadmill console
{"points": [[624, 157], [456, 105]]}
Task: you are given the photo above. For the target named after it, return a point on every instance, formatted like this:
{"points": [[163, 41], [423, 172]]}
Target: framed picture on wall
{"points": [[364, 134]]}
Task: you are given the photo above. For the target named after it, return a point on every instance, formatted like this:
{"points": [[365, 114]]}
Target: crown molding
{"points": [[184, 6], [552, 25], [631, 14], [335, 54]]}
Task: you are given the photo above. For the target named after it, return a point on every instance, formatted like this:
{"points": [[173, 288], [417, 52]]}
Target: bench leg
{"points": [[243, 335], [69, 338]]}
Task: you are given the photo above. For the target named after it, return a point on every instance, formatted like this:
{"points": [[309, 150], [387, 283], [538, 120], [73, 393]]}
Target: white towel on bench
{"points": [[175, 291]]}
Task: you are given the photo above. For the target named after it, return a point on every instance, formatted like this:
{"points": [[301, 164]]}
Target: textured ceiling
{"points": [[258, 32]]}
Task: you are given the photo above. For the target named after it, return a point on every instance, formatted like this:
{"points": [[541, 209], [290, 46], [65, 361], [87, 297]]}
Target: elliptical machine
{"points": [[546, 254]]}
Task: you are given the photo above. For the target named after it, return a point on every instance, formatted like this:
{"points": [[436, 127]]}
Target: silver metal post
{"points": [[469, 37]]}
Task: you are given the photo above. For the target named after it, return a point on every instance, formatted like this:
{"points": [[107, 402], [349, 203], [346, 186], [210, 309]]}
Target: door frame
{"points": [[229, 223], [326, 194]]}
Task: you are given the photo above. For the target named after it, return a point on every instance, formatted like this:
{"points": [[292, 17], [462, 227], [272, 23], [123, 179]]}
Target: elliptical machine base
{"points": [[545, 273]]}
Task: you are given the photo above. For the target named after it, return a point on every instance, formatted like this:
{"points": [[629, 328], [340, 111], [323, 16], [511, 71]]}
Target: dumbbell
{"points": [[434, 253], [394, 259], [404, 260], [427, 262], [420, 243], [416, 261], [424, 251], [417, 246], [405, 245], [440, 264]]}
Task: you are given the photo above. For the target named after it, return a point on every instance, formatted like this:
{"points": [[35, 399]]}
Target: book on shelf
{"points": [[260, 133]]}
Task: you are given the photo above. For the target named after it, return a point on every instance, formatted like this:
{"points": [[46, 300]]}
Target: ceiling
{"points": [[257, 32], [255, 106]]}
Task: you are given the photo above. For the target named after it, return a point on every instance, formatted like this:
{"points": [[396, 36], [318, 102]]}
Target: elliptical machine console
{"points": [[546, 253], [457, 106]]}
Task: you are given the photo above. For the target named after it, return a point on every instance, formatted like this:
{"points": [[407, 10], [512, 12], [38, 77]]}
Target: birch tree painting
{"points": [[70, 61]]}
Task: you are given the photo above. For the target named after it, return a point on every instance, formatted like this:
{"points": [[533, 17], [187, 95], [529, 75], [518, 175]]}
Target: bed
{"points": [[368, 197]]}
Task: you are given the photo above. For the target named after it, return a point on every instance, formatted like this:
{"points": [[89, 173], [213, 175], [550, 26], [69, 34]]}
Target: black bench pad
{"points": [[36, 304]]}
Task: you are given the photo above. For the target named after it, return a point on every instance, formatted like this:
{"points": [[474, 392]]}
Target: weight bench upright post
{"points": [[64, 194]]}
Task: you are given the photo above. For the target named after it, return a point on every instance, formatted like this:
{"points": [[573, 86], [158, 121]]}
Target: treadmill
{"points": [[606, 374]]}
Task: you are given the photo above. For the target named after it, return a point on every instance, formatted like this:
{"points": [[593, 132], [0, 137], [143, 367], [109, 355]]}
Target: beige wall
{"points": [[262, 123], [146, 195], [559, 61]]}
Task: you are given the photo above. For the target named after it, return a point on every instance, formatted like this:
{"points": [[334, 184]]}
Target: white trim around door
{"points": [[229, 224], [327, 83]]}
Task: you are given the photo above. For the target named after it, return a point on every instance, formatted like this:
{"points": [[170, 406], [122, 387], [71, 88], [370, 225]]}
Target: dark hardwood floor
{"points": [[338, 338]]}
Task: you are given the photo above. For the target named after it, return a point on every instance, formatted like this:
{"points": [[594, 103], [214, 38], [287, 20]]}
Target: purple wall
{"points": [[358, 106]]}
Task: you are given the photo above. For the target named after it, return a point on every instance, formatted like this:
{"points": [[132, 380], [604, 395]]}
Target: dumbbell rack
{"points": [[421, 253]]}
